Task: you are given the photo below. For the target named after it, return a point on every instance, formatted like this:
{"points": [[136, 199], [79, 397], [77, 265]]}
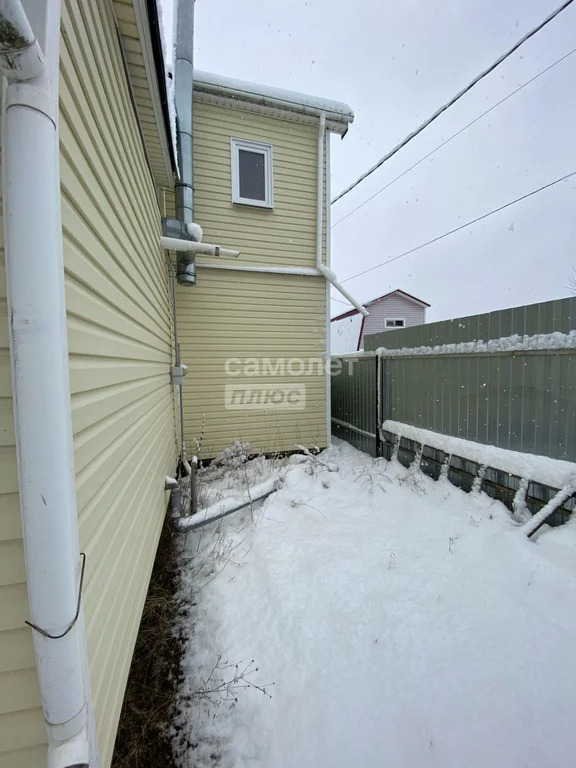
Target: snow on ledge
{"points": [[207, 81], [541, 469], [515, 343]]}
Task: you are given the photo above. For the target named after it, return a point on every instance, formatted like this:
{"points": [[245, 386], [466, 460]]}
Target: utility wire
{"points": [[462, 226], [454, 99], [454, 135]]}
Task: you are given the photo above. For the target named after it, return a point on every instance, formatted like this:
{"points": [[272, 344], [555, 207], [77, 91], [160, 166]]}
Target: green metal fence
{"points": [[521, 400], [524, 401], [353, 400]]}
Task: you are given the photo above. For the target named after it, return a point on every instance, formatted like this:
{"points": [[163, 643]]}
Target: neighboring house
{"points": [[87, 408], [115, 155], [396, 309], [254, 329]]}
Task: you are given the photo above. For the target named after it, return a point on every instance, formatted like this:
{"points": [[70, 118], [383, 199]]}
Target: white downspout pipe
{"points": [[320, 192], [331, 277], [323, 269], [40, 377], [327, 209]]}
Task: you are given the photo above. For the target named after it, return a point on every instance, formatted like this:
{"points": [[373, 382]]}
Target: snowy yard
{"points": [[395, 621]]}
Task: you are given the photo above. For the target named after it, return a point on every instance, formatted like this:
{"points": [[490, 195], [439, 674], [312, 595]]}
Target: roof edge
{"points": [[409, 296], [158, 54], [344, 315], [339, 114]]}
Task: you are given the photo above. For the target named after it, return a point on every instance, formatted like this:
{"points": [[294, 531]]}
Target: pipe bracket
{"points": [[47, 634]]}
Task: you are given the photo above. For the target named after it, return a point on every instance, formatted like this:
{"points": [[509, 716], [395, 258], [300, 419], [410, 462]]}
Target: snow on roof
{"points": [[336, 111], [166, 11], [408, 296], [398, 290]]}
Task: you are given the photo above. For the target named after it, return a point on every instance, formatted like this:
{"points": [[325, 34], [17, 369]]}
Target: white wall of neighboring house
{"points": [[346, 332]]}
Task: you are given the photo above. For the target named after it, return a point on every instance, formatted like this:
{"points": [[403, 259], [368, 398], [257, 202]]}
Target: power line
{"points": [[462, 226], [454, 99], [454, 135], [347, 303]]}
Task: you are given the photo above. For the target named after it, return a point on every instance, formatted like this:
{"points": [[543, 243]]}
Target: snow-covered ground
{"points": [[402, 623]]}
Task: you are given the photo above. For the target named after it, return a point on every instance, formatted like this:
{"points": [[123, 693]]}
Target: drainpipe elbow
{"points": [[21, 57], [73, 753]]}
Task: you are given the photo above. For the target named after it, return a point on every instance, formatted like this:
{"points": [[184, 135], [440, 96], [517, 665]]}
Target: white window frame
{"points": [[252, 146], [394, 320]]}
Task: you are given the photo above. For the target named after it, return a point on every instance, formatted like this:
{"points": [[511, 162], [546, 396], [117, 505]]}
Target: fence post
{"points": [[378, 407]]}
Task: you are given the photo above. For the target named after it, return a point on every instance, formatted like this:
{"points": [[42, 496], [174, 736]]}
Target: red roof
{"points": [[409, 296]]}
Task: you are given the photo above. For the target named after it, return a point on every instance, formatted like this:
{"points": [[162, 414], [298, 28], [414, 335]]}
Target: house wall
{"points": [[345, 334], [285, 236], [392, 306], [242, 315], [119, 335], [134, 27]]}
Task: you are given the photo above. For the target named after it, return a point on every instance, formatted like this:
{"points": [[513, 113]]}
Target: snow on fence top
{"points": [[269, 96], [515, 343], [541, 469], [353, 355]]}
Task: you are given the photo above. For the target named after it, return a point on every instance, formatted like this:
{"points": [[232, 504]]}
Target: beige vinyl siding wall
{"points": [[119, 334], [142, 79], [285, 236], [241, 316], [247, 315]]}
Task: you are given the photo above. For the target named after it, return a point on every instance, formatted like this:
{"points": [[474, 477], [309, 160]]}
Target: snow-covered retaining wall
{"points": [[541, 469], [526, 483]]}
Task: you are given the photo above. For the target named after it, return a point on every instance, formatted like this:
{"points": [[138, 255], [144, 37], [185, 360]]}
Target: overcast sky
{"points": [[394, 64]]}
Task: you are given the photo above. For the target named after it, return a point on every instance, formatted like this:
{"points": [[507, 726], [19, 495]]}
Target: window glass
{"points": [[252, 173]]}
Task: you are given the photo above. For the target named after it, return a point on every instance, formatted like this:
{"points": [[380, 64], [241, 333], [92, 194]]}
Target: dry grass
{"points": [[153, 679]]}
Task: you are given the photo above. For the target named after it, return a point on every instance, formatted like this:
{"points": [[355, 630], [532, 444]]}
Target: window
{"points": [[394, 322], [252, 173]]}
